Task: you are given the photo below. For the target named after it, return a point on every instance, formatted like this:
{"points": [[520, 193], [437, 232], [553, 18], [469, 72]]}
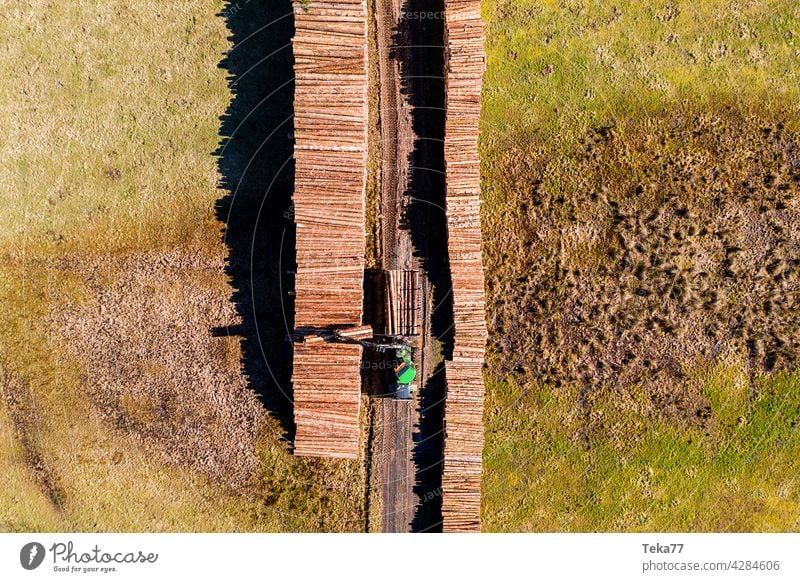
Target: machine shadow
{"points": [[257, 169], [420, 49]]}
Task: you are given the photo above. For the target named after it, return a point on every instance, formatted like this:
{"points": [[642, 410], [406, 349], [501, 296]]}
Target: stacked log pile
{"points": [[330, 130], [461, 479], [402, 302], [327, 397], [330, 117]]}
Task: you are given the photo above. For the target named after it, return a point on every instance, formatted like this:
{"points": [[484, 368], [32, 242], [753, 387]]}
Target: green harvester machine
{"points": [[402, 325], [403, 366], [405, 373]]}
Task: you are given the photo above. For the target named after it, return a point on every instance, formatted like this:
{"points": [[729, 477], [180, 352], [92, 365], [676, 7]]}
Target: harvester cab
{"points": [[405, 372], [404, 368]]}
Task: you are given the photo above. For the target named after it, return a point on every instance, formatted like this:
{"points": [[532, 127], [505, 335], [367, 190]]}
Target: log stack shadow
{"points": [[257, 170]]}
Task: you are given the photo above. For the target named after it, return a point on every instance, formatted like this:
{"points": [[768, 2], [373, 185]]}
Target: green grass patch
{"points": [[552, 466], [628, 103]]}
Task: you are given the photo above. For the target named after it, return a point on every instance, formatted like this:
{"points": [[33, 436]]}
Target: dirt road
{"points": [[409, 58], [397, 134], [397, 418], [397, 480]]}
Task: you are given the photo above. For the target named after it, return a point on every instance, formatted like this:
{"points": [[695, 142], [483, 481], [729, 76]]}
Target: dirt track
{"points": [[397, 420], [397, 481], [397, 135], [394, 465]]}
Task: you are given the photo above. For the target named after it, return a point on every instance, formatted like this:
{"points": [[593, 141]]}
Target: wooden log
{"points": [[461, 483], [330, 131], [361, 331]]}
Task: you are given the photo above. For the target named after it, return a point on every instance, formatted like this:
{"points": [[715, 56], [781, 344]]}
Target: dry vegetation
{"points": [[643, 271], [656, 259], [151, 367]]}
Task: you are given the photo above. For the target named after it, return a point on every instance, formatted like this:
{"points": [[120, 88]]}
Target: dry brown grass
{"points": [[128, 414], [674, 244], [151, 366]]}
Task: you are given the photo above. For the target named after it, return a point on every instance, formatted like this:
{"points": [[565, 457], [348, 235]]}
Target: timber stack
{"points": [[327, 397], [402, 302], [330, 131], [464, 436]]}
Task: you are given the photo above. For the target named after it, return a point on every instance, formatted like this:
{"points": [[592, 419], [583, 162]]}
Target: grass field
{"points": [[642, 372], [641, 178], [121, 410]]}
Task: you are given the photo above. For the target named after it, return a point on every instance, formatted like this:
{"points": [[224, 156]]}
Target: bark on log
{"points": [[464, 437], [330, 130]]}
